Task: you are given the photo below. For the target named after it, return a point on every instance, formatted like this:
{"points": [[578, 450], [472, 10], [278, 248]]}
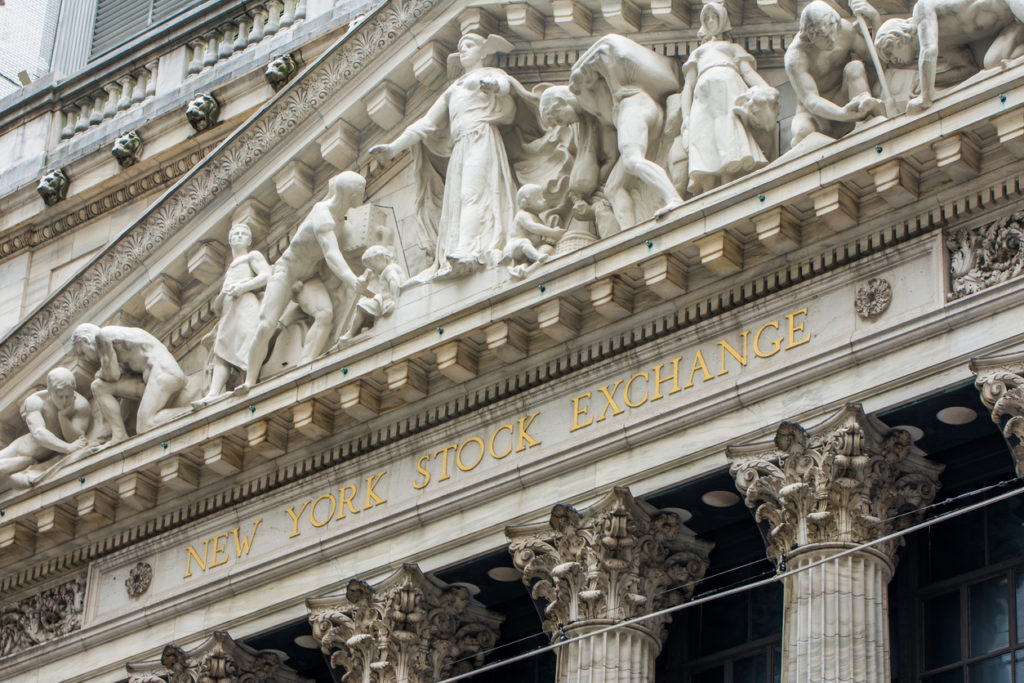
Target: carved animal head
{"points": [[202, 112], [126, 148], [280, 70], [53, 187], [757, 108]]}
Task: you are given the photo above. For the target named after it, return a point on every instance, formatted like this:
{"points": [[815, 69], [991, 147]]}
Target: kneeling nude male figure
{"points": [[316, 242], [58, 421], [135, 365]]}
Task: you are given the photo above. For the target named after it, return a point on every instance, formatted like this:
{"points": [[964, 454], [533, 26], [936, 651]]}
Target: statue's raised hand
{"points": [[382, 152]]}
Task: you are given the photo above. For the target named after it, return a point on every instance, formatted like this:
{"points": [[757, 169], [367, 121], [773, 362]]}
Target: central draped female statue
{"points": [[487, 126]]}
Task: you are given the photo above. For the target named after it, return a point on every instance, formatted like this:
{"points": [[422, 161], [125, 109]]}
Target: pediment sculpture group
{"points": [[511, 176]]}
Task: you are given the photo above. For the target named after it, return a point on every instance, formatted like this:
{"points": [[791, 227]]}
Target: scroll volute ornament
{"points": [[611, 562], [409, 628], [1000, 383], [219, 660], [844, 481]]}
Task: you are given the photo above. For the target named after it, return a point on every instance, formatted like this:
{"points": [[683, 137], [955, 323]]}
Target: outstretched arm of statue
{"points": [[435, 118], [37, 428], [806, 90]]}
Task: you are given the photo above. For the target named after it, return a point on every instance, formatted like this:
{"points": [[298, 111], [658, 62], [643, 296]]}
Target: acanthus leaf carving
{"points": [[408, 628], [219, 658], [40, 618], [849, 480], [613, 561], [985, 256], [1000, 383]]}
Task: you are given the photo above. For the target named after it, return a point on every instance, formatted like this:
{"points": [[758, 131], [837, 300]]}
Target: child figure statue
{"points": [[378, 286], [529, 239]]}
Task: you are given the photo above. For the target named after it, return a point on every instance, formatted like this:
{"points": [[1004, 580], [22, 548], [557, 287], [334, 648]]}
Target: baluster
{"points": [[243, 34], [127, 83], [71, 114], [151, 81], [300, 10], [287, 15], [211, 49], [198, 47], [141, 84], [227, 46], [259, 20], [113, 94], [97, 109], [273, 17], [84, 108]]}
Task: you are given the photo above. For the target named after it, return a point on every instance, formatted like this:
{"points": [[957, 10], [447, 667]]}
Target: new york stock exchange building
{"points": [[588, 341]]}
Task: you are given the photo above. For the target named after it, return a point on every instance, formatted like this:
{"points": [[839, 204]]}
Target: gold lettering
{"points": [[794, 328], [610, 400], [458, 454], [726, 346], [370, 493], [775, 342], [698, 362], [218, 548], [295, 518], [658, 381], [625, 391], [497, 431], [193, 554], [425, 473], [444, 462], [312, 510], [577, 411], [350, 489], [244, 543], [524, 424]]}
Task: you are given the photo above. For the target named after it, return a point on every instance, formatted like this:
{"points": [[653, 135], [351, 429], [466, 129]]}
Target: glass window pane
{"points": [[942, 630], [777, 663], [995, 670], [1019, 666], [956, 546], [715, 675], [1020, 609], [723, 624], [990, 627], [954, 676], [1006, 530], [765, 611], [752, 669]]}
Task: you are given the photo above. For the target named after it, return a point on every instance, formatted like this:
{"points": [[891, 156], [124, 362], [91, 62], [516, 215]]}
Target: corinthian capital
{"points": [[409, 628], [610, 562], [849, 480], [220, 658], [1000, 381]]}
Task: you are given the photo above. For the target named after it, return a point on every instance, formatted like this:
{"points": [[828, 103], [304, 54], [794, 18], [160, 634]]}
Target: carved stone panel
{"points": [[41, 618], [985, 256]]}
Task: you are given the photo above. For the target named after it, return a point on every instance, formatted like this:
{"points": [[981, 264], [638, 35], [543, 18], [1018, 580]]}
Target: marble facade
{"points": [[392, 288]]}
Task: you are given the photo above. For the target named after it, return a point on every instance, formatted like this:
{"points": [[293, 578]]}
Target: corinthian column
{"points": [[1000, 380], [409, 628], [819, 493], [612, 562]]}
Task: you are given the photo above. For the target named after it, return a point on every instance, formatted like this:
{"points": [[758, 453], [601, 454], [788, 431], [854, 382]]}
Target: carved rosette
{"points": [[613, 561], [1000, 382], [985, 256], [873, 298], [220, 658], [842, 482], [408, 628], [139, 579], [41, 618]]}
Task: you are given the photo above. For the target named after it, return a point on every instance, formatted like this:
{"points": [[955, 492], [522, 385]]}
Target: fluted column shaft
{"points": [[623, 655], [836, 616]]}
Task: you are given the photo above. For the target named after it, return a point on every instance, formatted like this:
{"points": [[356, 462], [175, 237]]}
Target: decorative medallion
{"points": [[873, 299], [139, 579]]}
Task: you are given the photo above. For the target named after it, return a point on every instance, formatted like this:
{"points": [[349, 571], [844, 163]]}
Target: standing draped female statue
{"points": [[488, 128]]}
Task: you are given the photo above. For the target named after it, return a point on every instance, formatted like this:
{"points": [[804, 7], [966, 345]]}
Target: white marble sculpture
{"points": [[624, 85], [717, 79], [313, 258], [826, 67], [530, 241], [238, 308], [594, 152], [944, 34], [134, 365], [380, 285], [59, 420], [486, 126]]}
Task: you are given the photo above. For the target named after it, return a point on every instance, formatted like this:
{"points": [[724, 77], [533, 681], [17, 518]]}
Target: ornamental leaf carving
{"points": [[614, 561], [210, 177], [409, 628], [1000, 383], [42, 617], [849, 480], [220, 659], [985, 256]]}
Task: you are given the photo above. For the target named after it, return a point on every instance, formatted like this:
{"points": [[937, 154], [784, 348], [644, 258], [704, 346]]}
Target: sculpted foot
{"points": [[242, 389], [668, 207]]}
